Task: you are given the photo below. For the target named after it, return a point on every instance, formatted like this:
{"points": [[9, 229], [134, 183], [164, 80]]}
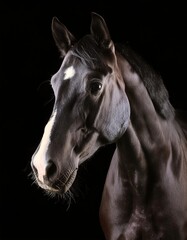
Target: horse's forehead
{"points": [[69, 72], [75, 68], [72, 66], [69, 67]]}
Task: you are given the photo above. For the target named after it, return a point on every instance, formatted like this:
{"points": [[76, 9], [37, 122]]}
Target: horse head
{"points": [[91, 108]]}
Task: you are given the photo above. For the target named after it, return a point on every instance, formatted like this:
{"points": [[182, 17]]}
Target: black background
{"points": [[29, 58]]}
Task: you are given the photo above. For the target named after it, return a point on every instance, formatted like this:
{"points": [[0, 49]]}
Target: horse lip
{"points": [[59, 187], [47, 187]]}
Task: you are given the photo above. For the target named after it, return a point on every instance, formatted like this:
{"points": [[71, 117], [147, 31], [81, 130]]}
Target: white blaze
{"points": [[39, 160], [69, 73]]}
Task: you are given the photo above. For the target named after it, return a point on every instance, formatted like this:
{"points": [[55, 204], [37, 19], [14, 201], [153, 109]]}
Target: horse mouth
{"points": [[59, 187]]}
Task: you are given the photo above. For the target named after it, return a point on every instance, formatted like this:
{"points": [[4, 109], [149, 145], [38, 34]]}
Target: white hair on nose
{"points": [[39, 160]]}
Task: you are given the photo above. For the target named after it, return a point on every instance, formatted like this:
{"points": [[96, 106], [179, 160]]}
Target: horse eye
{"points": [[95, 87]]}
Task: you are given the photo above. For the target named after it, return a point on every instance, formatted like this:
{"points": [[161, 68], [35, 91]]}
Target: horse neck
{"points": [[146, 123], [148, 141], [147, 160]]}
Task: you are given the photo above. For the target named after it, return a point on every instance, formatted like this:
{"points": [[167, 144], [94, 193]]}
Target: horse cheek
{"points": [[115, 122]]}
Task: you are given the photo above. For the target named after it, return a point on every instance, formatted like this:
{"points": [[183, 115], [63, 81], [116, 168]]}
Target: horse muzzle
{"points": [[52, 180]]}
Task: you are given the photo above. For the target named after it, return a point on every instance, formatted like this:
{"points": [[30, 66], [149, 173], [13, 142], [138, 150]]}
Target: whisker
{"points": [[48, 84], [42, 83]]}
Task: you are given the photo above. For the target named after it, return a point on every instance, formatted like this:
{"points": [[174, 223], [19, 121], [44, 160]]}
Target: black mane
{"points": [[151, 79]]}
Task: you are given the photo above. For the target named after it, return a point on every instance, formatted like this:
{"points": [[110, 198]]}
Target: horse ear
{"points": [[99, 30], [63, 38]]}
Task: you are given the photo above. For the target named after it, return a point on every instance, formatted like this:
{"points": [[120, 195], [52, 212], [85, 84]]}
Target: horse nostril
{"points": [[51, 169]]}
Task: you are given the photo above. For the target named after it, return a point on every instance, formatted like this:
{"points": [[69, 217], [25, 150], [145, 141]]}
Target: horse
{"points": [[106, 93]]}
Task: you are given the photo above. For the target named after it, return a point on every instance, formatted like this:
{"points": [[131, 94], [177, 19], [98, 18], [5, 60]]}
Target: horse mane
{"points": [[151, 79], [90, 54]]}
